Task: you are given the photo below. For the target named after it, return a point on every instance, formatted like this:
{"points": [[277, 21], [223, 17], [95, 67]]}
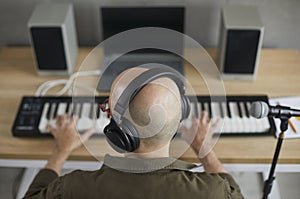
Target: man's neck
{"points": [[162, 152]]}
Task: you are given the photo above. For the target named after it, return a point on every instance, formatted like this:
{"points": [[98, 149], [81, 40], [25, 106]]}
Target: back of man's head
{"points": [[155, 111]]}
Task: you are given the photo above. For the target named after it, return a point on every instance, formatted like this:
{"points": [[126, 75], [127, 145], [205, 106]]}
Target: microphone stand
{"points": [[269, 182]]}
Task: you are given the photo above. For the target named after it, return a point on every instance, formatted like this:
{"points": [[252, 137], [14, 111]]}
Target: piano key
{"points": [[98, 111], [202, 106], [206, 108], [48, 111], [199, 106], [195, 104], [224, 109], [77, 107], [228, 110], [236, 123], [80, 110], [221, 110], [245, 119], [74, 109], [209, 110], [61, 110], [239, 109], [84, 122], [85, 110], [215, 110], [92, 111], [246, 109], [70, 111], [67, 108], [52, 119], [43, 125], [55, 110]]}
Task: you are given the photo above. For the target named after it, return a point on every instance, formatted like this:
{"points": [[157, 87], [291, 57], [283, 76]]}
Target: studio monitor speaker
{"points": [[53, 38], [240, 41]]}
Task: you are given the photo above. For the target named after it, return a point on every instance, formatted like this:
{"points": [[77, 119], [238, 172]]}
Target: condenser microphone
{"points": [[261, 109]]}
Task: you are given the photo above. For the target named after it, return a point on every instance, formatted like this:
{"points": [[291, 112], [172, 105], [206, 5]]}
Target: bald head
{"points": [[155, 110]]}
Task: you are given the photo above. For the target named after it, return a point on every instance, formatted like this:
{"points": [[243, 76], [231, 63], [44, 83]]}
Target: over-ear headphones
{"points": [[120, 133]]}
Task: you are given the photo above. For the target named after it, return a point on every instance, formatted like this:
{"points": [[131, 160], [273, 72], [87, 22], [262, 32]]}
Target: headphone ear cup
{"points": [[116, 138], [185, 107], [131, 133]]}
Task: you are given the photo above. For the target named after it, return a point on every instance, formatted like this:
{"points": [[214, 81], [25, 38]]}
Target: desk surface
{"points": [[278, 75]]}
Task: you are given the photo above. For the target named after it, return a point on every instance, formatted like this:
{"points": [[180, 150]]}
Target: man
{"points": [[147, 172]]}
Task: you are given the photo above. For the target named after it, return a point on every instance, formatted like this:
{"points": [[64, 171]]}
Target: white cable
{"points": [[47, 85], [42, 90]]}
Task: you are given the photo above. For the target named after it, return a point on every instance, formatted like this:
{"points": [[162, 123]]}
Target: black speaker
{"points": [[240, 41], [53, 38]]}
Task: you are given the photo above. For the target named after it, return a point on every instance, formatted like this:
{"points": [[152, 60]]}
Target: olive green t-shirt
{"points": [[135, 178]]}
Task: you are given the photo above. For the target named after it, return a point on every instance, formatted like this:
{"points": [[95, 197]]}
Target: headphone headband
{"points": [[139, 82]]}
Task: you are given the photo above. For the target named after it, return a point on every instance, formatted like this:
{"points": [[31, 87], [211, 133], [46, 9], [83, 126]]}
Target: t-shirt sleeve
{"points": [[46, 184], [233, 188]]}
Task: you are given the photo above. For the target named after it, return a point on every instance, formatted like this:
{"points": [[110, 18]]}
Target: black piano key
{"points": [[98, 111], [228, 110], [196, 110], [202, 106], [55, 111], [246, 109], [49, 111], [91, 111], [80, 111], [74, 109], [209, 110], [67, 108], [239, 109], [221, 110]]}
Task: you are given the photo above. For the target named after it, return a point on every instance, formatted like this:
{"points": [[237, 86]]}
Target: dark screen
{"points": [[119, 19], [49, 49], [241, 51]]}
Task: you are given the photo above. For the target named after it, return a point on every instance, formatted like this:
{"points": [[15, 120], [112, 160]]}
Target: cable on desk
{"points": [[43, 89]]}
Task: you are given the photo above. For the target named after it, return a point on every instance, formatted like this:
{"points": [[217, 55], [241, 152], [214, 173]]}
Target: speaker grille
{"points": [[241, 51], [49, 48]]}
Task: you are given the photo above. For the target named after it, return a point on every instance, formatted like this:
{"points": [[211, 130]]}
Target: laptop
{"points": [[118, 19]]}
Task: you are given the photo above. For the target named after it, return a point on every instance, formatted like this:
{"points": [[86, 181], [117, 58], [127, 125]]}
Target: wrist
{"points": [[57, 160]]}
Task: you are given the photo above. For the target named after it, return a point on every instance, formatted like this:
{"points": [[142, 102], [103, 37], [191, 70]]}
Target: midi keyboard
{"points": [[36, 113]]}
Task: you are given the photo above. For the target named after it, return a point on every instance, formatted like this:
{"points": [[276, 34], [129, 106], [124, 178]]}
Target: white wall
{"points": [[280, 17]]}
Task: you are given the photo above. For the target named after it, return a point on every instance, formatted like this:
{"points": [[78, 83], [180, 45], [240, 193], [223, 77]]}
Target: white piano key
{"points": [[226, 120], [61, 108], [254, 123], [245, 119], [199, 108], [215, 110], [44, 121], [206, 107], [52, 120], [236, 121], [78, 105], [224, 108], [70, 111], [84, 122]]}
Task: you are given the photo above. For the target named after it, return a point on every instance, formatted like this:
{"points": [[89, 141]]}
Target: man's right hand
{"points": [[199, 135]]}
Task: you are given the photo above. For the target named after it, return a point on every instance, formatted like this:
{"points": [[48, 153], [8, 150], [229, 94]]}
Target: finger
{"points": [[217, 123], [73, 119], [53, 131], [195, 119], [61, 120], [183, 129], [87, 134], [203, 118]]}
